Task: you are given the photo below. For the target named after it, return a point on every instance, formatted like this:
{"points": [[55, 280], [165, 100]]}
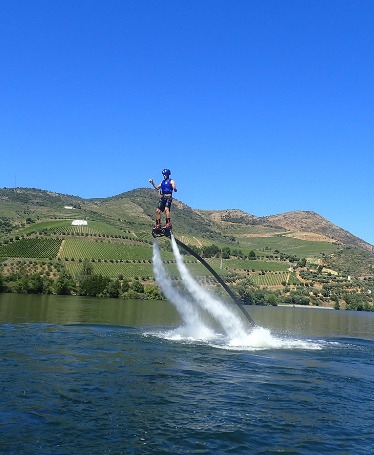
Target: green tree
{"points": [[114, 288], [336, 303], [87, 268], [153, 293], [93, 285], [137, 286], [226, 252], [64, 284], [259, 297], [125, 286], [297, 298], [35, 284], [271, 299], [22, 285], [210, 251], [244, 291]]}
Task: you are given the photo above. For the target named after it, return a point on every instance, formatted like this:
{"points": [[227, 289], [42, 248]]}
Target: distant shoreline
{"points": [[290, 305]]}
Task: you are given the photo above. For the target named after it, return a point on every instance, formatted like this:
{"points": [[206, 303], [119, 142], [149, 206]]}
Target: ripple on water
{"points": [[106, 389]]}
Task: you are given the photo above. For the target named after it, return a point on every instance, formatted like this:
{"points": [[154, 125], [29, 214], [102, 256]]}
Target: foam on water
{"points": [[259, 339]]}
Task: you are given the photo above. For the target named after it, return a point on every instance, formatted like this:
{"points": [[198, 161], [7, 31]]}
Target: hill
{"points": [[304, 225], [139, 206], [268, 252]]}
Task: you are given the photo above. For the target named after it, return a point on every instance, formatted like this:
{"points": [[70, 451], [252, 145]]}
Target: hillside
{"points": [[244, 248], [139, 206], [304, 225]]}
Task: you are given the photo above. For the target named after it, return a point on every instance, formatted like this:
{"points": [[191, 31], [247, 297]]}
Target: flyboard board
{"points": [[161, 232]]}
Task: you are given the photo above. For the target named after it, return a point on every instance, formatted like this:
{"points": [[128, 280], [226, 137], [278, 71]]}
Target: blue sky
{"points": [[260, 105]]}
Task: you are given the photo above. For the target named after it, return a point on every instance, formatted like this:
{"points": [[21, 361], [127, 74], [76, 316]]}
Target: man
{"points": [[166, 187]]}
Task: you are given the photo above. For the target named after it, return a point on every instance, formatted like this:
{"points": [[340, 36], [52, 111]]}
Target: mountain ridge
{"points": [[141, 203], [299, 221]]}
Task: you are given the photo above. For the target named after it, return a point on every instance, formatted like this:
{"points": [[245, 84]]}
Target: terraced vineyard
{"points": [[241, 264], [31, 248], [271, 279], [104, 250], [114, 270], [65, 227], [140, 268]]}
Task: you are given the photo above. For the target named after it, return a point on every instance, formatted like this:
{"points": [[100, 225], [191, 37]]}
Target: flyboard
{"points": [[166, 232], [161, 232]]}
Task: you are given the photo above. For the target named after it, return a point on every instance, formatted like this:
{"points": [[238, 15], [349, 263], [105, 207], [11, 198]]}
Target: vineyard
{"points": [[64, 227], [289, 245], [31, 248], [113, 258], [248, 265], [116, 257], [106, 250], [114, 269], [131, 268], [270, 279]]}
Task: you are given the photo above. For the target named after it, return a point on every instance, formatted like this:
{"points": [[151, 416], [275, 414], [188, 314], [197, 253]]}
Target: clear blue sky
{"points": [[261, 105]]}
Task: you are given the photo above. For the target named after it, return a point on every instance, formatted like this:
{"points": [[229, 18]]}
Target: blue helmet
{"points": [[166, 172]]}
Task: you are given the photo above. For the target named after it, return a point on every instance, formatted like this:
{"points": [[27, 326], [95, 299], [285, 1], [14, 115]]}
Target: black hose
{"points": [[219, 279]]}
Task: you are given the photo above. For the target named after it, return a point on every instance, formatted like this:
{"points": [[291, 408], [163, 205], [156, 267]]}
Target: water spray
{"points": [[229, 321], [186, 308]]}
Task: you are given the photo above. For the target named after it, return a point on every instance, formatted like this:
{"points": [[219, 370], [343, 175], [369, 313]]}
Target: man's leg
{"points": [[168, 219], [158, 218]]}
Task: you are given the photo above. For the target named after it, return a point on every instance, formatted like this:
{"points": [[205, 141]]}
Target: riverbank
{"points": [[306, 306]]}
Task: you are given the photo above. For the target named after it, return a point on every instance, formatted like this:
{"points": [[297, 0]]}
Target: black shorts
{"points": [[165, 201]]}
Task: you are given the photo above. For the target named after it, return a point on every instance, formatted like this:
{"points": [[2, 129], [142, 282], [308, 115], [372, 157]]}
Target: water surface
{"points": [[105, 376]]}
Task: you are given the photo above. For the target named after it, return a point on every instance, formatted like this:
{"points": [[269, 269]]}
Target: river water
{"points": [[107, 376]]}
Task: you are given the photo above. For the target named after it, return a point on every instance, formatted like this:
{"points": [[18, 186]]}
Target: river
{"points": [[108, 376]]}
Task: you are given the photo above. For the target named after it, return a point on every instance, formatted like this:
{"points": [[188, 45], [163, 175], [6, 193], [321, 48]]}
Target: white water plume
{"points": [[229, 321], [193, 326], [235, 336]]}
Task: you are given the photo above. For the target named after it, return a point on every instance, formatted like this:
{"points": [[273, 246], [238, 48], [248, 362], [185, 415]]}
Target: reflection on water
{"points": [[316, 321], [308, 322], [86, 310]]}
